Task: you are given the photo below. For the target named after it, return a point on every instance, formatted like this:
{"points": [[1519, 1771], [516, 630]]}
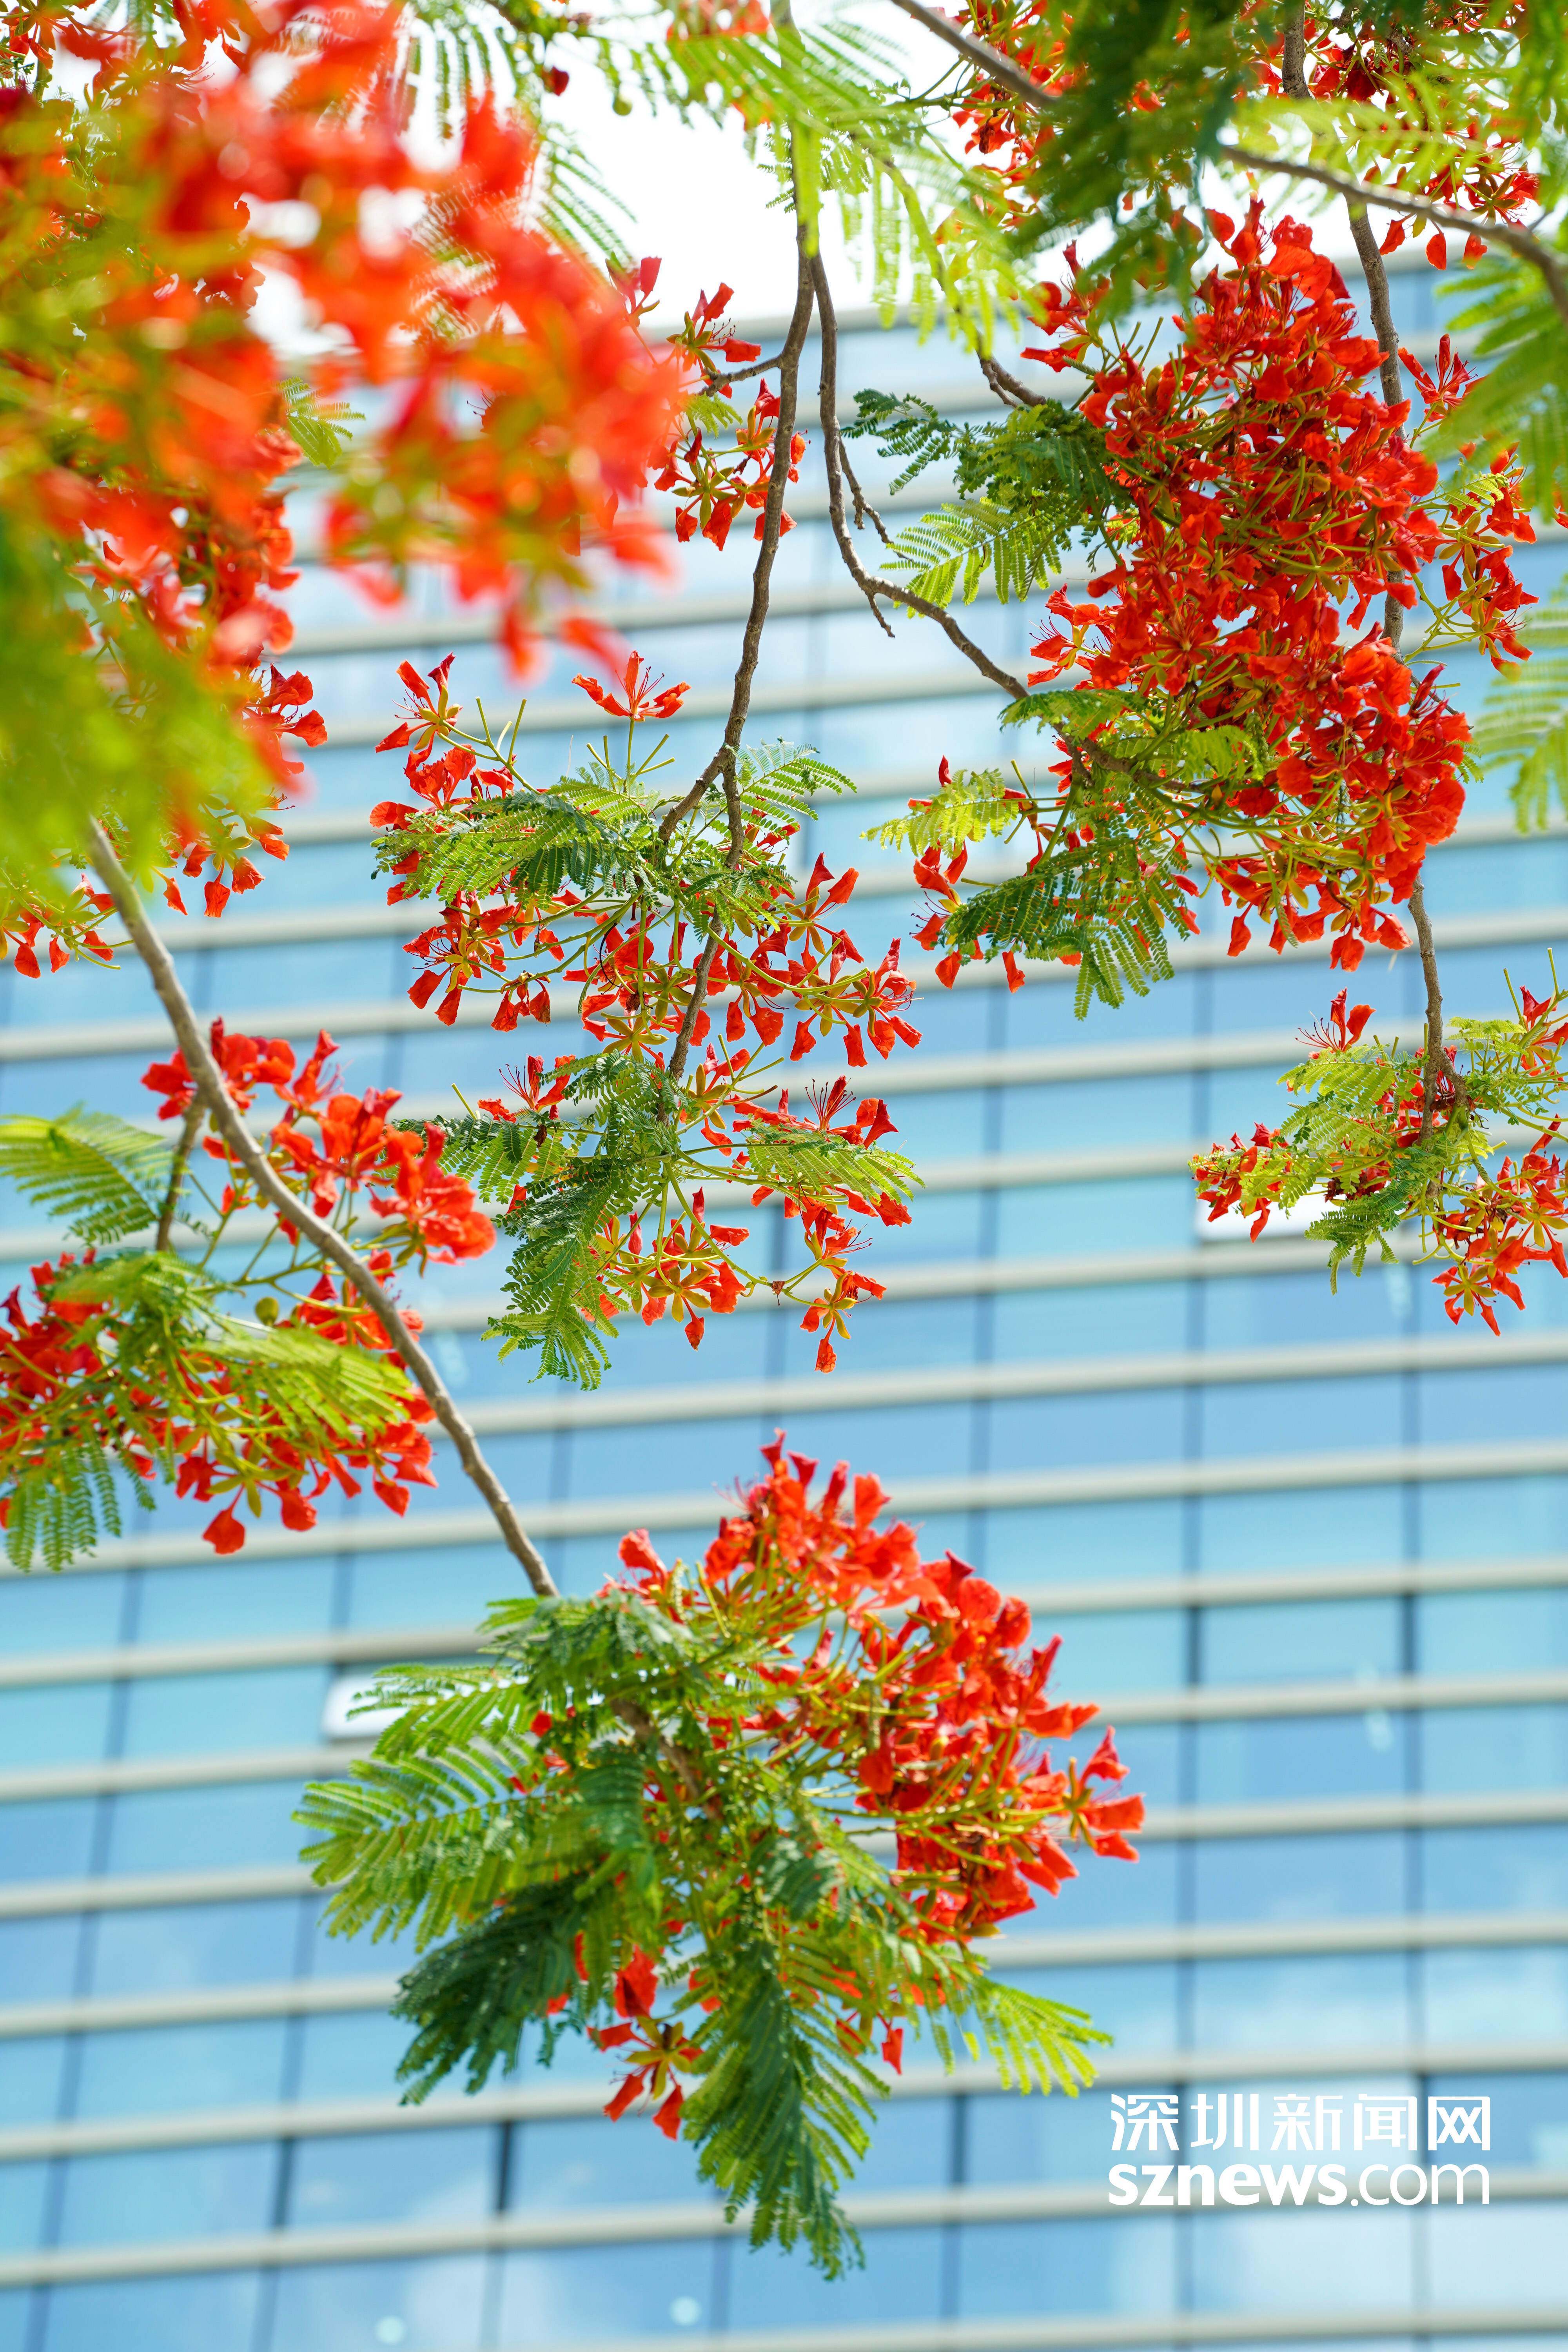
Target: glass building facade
{"points": [[1311, 1552]]}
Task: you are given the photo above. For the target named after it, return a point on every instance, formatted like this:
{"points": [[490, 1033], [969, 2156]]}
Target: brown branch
{"points": [[225, 1117], [761, 576], [983, 57], [1517, 241], [193, 1119], [1007, 387], [869, 584]]}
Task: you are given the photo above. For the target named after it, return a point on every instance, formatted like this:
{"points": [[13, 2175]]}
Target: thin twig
{"points": [[193, 1119], [869, 584], [761, 576], [739, 375], [1005, 385], [1382, 310], [225, 1117], [1517, 241]]}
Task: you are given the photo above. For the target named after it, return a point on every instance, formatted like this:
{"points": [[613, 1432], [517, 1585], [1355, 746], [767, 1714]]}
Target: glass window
{"points": [[356, 2055], [1320, 2259], [1144, 1212], [588, 2160], [943, 1125], [431, 2306], [23, 2189], [1300, 1877], [1301, 1528], [1492, 1747], [1523, 1868], [394, 2176], [565, 2294], [1058, 1542], [160, 2314], [912, 2143], [1474, 1518], [62, 1723], [234, 1598], [1520, 2257], [630, 1460], [929, 1441], [1111, 1318], [659, 1355], [888, 1334], [194, 1944], [1052, 1432], [1490, 1631], [1310, 1756], [1309, 2003], [39, 1957], [171, 2067], [1026, 2267], [1473, 1995], [60, 1612], [30, 2077], [1097, 1114], [1009, 2138], [1290, 1639], [1042, 1014], [204, 1829], [1285, 1311], [51, 1839], [177, 2192], [1118, 1650], [1151, 1753], [440, 1584], [199, 1715], [1299, 1416], [1503, 1401], [901, 2280]]}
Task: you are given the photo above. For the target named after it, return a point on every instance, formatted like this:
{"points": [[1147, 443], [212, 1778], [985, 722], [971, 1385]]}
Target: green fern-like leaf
{"points": [[101, 1177]]}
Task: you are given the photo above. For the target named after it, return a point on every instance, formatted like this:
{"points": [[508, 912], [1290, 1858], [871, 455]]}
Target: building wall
{"points": [[1311, 1551]]}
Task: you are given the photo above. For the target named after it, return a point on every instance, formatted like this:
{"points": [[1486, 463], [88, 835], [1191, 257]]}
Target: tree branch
{"points": [[761, 576], [869, 584], [225, 1117], [193, 1119], [1517, 241], [1007, 387]]}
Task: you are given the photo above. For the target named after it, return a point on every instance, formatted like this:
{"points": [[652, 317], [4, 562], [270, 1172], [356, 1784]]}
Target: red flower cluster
{"points": [[936, 1724], [148, 430], [637, 988], [1262, 488], [1371, 65], [355, 1147], [710, 488]]}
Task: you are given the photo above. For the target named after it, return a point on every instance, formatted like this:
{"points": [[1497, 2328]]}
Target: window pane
{"points": [[1300, 1416], [60, 1612], [49, 1840], [23, 2193], [1135, 2003], [1065, 2266], [168, 2315], [204, 1829], [1123, 1650], [447, 1584], [1524, 1868], [178, 1714], [181, 2192], [194, 1944], [30, 2073], [1472, 1995], [423, 2176], [1301, 1528], [1292, 1638], [160, 2068], [901, 2280], [1051, 1432], [1309, 2004], [432, 2306], [1314, 1756], [1008, 2138], [1298, 1877], [1071, 1540], [1112, 1319], [1528, 2116], [565, 2294], [226, 1600], [588, 2160], [63, 1723], [1491, 1632], [1317, 2260], [1493, 1746]]}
